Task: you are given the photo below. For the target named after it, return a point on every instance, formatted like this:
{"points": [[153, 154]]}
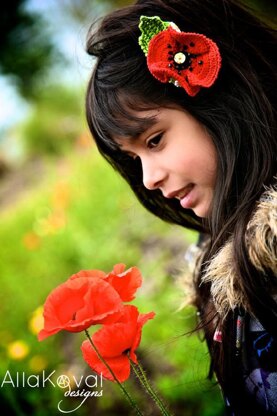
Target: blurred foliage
{"points": [[81, 10], [26, 51], [81, 215], [56, 120]]}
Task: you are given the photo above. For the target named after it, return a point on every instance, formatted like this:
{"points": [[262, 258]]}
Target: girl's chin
{"points": [[202, 210], [197, 203]]}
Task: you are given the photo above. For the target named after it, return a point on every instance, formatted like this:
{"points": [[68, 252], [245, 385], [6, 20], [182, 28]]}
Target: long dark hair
{"points": [[239, 112]]}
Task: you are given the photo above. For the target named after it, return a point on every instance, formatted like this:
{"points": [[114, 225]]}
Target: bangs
{"points": [[112, 115]]}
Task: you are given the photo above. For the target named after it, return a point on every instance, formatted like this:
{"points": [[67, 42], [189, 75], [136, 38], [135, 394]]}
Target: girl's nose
{"points": [[153, 176]]}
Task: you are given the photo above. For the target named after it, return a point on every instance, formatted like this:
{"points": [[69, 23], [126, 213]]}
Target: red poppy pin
{"points": [[188, 60]]}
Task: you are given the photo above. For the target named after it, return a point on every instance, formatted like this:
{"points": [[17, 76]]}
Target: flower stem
{"points": [[144, 381], [124, 391]]}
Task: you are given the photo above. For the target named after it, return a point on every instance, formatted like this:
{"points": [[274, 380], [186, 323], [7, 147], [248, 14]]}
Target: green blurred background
{"points": [[63, 209]]}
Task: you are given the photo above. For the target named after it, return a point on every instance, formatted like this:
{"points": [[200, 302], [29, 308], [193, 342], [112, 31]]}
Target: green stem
{"points": [[124, 391], [144, 381]]}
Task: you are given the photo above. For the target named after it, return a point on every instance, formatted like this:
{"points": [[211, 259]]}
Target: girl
{"points": [[181, 102]]}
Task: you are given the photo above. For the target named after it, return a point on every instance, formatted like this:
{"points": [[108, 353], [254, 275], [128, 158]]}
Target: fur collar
{"points": [[261, 239]]}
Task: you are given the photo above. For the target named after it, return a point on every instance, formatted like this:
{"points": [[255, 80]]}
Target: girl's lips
{"points": [[187, 199]]}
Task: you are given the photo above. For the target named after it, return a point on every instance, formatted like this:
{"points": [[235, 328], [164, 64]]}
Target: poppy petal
{"points": [[120, 365], [61, 305], [79, 303], [119, 268], [45, 334], [122, 334], [89, 273], [142, 319], [101, 301], [126, 283]]}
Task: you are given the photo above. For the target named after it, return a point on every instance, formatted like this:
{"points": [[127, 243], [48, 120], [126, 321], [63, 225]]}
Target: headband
{"points": [[188, 60]]}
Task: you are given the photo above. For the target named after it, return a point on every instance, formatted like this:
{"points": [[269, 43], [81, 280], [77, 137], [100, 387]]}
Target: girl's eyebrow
{"points": [[133, 127], [141, 126]]}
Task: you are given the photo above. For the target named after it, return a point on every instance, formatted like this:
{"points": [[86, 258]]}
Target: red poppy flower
{"points": [[125, 283], [114, 342], [189, 60], [79, 303]]}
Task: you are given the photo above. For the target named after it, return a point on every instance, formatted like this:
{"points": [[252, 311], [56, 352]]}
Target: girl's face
{"points": [[177, 156]]}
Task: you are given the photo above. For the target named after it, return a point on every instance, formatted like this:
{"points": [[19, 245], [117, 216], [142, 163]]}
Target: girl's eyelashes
{"points": [[150, 144], [154, 141]]}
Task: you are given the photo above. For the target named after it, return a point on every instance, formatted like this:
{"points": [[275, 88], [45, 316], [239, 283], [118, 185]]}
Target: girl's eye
{"points": [[154, 141]]}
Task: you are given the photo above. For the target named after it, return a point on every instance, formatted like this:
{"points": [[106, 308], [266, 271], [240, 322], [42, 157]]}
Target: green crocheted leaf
{"points": [[150, 26]]}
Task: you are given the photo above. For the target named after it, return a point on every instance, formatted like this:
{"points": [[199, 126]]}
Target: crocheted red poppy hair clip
{"points": [[188, 60]]}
